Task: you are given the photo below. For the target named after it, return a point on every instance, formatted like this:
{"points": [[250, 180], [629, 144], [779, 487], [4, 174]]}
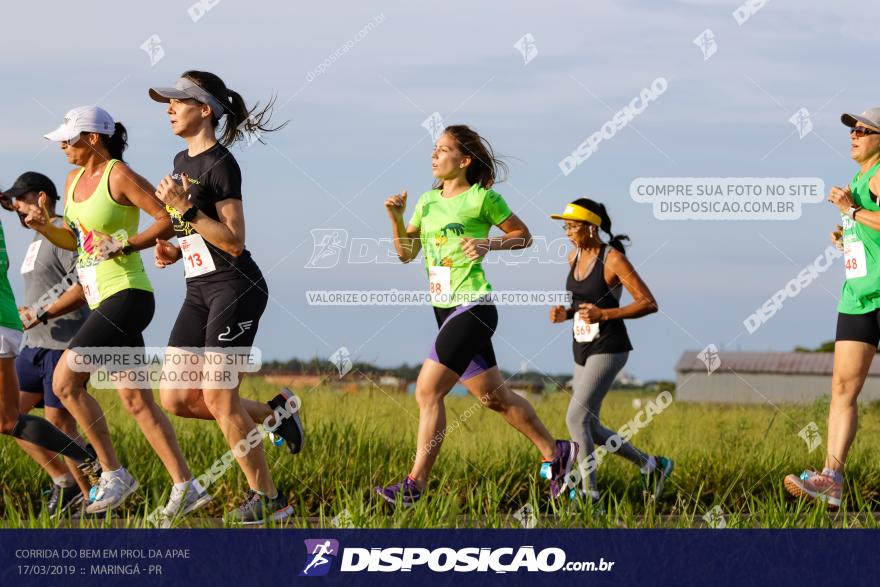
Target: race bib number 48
{"points": [[854, 259], [584, 331], [439, 284], [197, 259]]}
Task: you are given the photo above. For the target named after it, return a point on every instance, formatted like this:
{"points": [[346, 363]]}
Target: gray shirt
{"points": [[51, 271]]}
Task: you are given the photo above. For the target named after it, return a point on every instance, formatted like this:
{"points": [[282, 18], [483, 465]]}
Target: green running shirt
{"points": [[8, 310], [443, 222], [861, 290]]}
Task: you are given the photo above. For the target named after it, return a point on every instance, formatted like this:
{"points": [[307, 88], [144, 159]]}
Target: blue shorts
{"points": [[35, 367]]}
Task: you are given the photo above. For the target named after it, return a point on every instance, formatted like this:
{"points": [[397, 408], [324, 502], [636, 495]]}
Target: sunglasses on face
{"points": [[573, 227], [861, 131]]}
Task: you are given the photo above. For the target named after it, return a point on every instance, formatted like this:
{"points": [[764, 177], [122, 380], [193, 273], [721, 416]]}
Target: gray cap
{"points": [[184, 89], [871, 117]]}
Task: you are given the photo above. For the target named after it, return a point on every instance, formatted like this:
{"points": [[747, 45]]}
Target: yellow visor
{"points": [[575, 212]]}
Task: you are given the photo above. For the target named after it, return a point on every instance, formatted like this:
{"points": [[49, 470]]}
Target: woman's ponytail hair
{"points": [[614, 240], [240, 120], [117, 142]]}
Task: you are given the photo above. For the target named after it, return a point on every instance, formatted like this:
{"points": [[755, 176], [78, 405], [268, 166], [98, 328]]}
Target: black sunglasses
{"points": [[861, 131]]}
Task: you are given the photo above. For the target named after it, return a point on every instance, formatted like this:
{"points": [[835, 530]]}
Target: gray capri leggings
{"points": [[591, 382]]}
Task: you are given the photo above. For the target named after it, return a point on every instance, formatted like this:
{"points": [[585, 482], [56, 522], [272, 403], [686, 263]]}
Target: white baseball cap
{"points": [[83, 119], [870, 117]]}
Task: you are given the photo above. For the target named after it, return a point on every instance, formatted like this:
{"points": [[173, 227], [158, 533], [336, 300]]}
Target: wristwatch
{"points": [[43, 316], [190, 214], [852, 211], [127, 249]]}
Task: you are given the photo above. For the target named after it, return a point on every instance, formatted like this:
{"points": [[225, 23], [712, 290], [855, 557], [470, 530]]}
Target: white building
{"points": [[762, 377]]}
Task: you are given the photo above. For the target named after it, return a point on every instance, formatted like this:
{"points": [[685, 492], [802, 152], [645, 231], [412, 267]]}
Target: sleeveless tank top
{"points": [[593, 289], [93, 222]]}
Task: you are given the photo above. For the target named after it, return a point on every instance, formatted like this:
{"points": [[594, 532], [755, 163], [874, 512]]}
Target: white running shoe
{"points": [[113, 489], [182, 501]]}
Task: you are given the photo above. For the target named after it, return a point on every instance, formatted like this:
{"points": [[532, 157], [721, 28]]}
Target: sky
{"points": [[356, 81]]}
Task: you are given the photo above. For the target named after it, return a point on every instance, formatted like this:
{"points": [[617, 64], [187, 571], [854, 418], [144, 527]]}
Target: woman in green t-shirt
{"points": [[451, 223], [858, 318]]}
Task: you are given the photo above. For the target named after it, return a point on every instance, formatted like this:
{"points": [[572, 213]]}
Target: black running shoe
{"points": [[290, 428], [62, 500], [259, 509], [91, 468]]}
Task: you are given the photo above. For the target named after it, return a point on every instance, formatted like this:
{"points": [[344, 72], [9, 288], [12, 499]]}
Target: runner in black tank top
{"points": [[612, 336], [600, 342]]}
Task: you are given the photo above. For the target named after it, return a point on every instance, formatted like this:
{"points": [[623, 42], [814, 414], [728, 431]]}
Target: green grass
{"points": [[729, 456]]}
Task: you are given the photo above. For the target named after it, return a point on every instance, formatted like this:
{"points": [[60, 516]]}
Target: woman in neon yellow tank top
{"points": [[103, 202], [452, 223], [858, 319]]}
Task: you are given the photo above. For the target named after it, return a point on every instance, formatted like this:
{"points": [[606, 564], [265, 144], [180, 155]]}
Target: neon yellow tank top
{"points": [[93, 222]]}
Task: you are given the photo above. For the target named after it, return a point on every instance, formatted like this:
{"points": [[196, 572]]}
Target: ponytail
{"points": [[615, 241], [240, 121], [117, 143]]}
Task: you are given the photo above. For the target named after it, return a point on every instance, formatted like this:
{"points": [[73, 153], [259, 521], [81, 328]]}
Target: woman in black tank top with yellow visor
{"points": [[601, 346]]}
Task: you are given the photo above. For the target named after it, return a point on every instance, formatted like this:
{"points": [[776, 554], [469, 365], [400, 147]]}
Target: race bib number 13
{"points": [[854, 255], [197, 259]]}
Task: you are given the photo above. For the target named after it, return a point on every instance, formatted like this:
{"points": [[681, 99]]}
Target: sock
{"points": [[40, 432], [111, 474], [182, 485], [266, 495], [65, 481], [650, 465], [837, 476]]}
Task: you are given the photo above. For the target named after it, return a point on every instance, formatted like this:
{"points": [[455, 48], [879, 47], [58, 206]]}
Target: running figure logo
{"points": [[320, 553], [242, 328], [527, 48], [706, 42], [327, 247]]}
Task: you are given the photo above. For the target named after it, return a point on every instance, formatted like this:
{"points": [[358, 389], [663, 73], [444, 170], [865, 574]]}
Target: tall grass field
{"points": [[730, 462]]}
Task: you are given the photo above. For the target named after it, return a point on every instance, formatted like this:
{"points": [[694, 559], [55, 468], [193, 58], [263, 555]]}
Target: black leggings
{"points": [[464, 343]]}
